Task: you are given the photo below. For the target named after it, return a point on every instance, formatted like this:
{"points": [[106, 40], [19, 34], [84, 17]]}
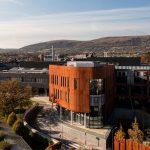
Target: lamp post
{"points": [[85, 138], [113, 137], [50, 119], [98, 140], [62, 133]]}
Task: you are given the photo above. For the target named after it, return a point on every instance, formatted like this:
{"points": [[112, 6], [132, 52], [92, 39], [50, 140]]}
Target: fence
{"points": [[129, 145]]}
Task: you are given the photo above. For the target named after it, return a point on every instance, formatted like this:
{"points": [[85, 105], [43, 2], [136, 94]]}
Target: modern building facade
{"points": [[84, 91], [133, 87]]}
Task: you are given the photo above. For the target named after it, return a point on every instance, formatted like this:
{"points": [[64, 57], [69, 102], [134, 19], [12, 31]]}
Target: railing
{"points": [[27, 118]]}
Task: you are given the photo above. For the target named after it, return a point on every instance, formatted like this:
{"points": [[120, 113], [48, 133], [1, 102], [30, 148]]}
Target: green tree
{"points": [[11, 119], [12, 95], [135, 133], [18, 127], [4, 145], [25, 96]]}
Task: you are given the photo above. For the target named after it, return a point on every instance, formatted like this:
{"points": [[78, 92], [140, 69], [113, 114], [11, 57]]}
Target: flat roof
{"points": [[85, 63], [25, 70]]}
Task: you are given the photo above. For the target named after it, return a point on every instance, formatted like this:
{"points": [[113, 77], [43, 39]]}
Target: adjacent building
{"points": [[37, 78], [133, 87]]}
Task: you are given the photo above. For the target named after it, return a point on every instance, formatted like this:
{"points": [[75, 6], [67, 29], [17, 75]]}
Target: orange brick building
{"points": [[84, 91]]}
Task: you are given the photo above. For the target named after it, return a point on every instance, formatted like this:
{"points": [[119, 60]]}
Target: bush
{"points": [[5, 117], [5, 145], [2, 136], [19, 128], [39, 139], [20, 110], [11, 119]]}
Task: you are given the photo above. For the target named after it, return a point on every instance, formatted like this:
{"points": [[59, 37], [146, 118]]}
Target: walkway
{"points": [[75, 135]]}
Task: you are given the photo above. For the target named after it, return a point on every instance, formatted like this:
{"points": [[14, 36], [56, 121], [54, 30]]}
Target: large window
{"points": [[75, 83], [68, 97], [96, 86], [68, 84]]}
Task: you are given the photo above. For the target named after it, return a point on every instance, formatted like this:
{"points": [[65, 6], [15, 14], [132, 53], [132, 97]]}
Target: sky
{"points": [[25, 22]]}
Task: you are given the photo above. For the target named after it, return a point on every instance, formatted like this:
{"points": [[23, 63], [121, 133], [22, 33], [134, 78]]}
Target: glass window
{"points": [[65, 81], [54, 79], [60, 94], [57, 80], [75, 83], [61, 81], [68, 97], [68, 81]]}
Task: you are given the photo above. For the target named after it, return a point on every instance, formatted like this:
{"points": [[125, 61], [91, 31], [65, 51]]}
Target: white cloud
{"points": [[18, 2], [79, 26]]}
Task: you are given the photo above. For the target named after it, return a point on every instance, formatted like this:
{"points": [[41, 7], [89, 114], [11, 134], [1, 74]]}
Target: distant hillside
{"points": [[126, 43], [7, 50]]}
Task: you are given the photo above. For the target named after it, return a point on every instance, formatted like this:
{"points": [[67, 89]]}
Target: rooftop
{"points": [[84, 63], [25, 70]]}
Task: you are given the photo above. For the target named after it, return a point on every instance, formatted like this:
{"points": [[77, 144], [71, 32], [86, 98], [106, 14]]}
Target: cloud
{"points": [[18, 2], [78, 26]]}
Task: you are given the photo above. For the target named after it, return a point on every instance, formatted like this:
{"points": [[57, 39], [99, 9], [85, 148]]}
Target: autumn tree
{"points": [[120, 135], [135, 133], [145, 58], [12, 95]]}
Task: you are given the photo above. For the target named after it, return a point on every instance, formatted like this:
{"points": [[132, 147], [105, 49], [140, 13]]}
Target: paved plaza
{"points": [[73, 134]]}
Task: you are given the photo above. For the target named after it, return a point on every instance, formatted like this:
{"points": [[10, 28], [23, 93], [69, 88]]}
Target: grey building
{"points": [[37, 78]]}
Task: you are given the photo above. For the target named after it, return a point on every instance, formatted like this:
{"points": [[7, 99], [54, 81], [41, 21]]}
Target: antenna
{"points": [[53, 54], [105, 54]]}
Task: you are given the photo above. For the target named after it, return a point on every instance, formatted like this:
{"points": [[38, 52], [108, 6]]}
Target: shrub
{"points": [[120, 135], [11, 119], [39, 139], [5, 117], [19, 128], [5, 145], [135, 133], [20, 110], [2, 136]]}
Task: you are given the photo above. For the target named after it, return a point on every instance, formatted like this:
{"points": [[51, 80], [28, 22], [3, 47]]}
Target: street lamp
{"points": [[113, 137], [98, 140], [50, 122], [85, 139], [62, 133]]}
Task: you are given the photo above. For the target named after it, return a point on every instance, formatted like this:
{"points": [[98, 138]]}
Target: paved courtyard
{"points": [[75, 135]]}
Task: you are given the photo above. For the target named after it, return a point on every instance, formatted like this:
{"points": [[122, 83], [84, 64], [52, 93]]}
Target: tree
{"points": [[11, 118], [18, 127], [12, 95], [120, 135], [25, 96], [145, 58], [4, 145], [135, 133]]}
